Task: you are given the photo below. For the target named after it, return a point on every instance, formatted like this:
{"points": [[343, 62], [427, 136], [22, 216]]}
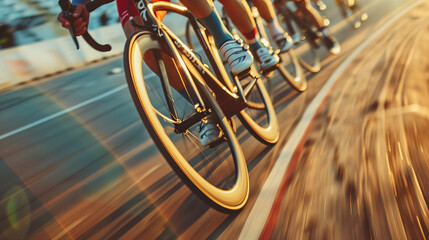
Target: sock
{"points": [[252, 38], [215, 26], [275, 27]]}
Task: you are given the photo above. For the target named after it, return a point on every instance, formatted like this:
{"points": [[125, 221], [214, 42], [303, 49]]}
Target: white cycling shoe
{"points": [[296, 38], [284, 42], [266, 57], [209, 131], [237, 55]]}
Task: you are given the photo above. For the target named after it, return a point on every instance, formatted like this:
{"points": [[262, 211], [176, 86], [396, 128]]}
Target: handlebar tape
{"points": [[94, 44]]}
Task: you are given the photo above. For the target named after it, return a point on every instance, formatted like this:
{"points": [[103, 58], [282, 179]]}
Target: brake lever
{"points": [[68, 9]]}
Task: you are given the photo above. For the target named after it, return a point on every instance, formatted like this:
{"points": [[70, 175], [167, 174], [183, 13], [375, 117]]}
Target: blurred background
{"points": [[28, 21]]}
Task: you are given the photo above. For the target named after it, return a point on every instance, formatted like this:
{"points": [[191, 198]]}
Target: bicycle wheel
{"points": [[292, 71], [217, 174], [307, 52], [259, 117]]}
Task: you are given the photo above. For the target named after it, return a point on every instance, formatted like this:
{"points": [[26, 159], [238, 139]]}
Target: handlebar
{"points": [[68, 9]]}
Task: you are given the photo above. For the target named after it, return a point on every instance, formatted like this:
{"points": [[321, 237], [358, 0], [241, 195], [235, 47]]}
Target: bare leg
{"points": [[310, 12], [200, 8], [239, 12], [265, 9]]}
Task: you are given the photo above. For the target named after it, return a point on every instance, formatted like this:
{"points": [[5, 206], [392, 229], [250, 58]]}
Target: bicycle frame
{"points": [[231, 97]]}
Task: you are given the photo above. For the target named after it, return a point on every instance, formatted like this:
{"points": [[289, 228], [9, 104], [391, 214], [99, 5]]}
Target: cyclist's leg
{"points": [[266, 10], [204, 12], [311, 13], [279, 6], [239, 59], [239, 13]]}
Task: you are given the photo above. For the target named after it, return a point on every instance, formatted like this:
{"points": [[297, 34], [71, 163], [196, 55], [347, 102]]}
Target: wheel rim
{"points": [[260, 117], [293, 72]]}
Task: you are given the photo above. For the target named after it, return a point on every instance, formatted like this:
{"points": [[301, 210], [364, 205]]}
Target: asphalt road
{"points": [[77, 163]]}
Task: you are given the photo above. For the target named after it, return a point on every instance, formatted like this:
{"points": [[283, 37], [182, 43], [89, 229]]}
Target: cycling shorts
{"points": [[126, 8]]}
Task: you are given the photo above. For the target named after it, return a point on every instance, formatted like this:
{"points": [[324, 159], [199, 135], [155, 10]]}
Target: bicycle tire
{"points": [[297, 80], [311, 59], [259, 117], [231, 199]]}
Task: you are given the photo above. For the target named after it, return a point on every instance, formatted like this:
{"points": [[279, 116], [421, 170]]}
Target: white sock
{"points": [[252, 37]]}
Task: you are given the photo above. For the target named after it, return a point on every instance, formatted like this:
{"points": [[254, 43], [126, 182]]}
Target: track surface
{"points": [[76, 162]]}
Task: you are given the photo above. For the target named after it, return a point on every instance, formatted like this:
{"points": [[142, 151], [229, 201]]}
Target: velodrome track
{"points": [[351, 162]]}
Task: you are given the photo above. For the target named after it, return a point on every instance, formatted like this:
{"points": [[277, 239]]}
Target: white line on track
{"points": [[258, 216], [72, 108], [60, 113]]}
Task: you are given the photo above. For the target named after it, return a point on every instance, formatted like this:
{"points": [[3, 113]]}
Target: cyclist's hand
{"points": [[80, 20]]}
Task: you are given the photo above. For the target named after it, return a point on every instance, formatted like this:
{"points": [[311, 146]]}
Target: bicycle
{"points": [[172, 117]]}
